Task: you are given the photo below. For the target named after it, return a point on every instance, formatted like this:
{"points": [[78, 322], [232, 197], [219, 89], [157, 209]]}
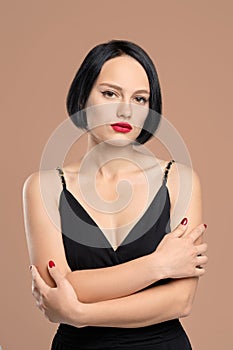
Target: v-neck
{"points": [[65, 190]]}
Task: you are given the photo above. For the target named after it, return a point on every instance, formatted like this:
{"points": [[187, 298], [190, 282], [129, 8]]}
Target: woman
{"points": [[113, 278]]}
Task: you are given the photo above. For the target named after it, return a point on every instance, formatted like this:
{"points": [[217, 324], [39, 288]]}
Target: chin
{"points": [[118, 142]]}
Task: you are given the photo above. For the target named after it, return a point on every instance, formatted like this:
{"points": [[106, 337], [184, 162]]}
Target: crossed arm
{"points": [[151, 306], [100, 300]]}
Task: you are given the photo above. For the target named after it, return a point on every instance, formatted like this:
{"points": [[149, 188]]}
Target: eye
{"points": [[108, 93], [141, 99]]}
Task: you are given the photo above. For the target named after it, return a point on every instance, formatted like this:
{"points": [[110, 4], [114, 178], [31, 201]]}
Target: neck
{"points": [[110, 160]]}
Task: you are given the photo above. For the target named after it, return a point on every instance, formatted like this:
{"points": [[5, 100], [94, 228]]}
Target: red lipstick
{"points": [[121, 127]]}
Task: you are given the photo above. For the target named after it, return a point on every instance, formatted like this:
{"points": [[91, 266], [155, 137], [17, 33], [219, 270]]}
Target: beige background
{"points": [[42, 46]]}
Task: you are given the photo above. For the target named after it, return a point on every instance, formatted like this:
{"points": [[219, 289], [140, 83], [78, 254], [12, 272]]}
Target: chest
{"points": [[114, 207], [86, 245]]}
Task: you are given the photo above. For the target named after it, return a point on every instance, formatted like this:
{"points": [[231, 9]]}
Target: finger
{"points": [[35, 291], [202, 259], [40, 304], [55, 273], [38, 281], [197, 232], [181, 228], [199, 271], [201, 248]]}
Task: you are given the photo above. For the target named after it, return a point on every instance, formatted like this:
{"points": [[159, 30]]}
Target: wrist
{"points": [[79, 315], [159, 270]]}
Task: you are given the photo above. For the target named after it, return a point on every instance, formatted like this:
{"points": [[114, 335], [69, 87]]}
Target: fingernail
{"points": [[205, 225], [184, 221], [51, 264], [30, 267]]}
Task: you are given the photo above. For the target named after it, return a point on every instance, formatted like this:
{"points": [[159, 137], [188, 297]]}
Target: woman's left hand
{"points": [[58, 304]]}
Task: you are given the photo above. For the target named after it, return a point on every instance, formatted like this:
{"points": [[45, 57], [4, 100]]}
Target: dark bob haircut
{"points": [[88, 72]]}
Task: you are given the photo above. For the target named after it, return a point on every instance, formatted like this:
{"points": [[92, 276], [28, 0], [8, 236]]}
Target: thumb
{"points": [[55, 273], [181, 228]]}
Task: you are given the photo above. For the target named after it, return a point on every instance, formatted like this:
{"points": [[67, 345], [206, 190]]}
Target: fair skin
{"points": [[92, 297]]}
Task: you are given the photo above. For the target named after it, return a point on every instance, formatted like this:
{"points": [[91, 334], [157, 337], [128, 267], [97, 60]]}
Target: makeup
{"points": [[122, 127]]}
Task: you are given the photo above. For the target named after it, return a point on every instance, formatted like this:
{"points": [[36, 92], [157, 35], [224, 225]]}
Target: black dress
{"points": [[86, 247]]}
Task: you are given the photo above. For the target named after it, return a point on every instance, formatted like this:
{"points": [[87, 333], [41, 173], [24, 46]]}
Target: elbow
{"points": [[182, 307], [186, 308], [186, 295], [186, 311]]}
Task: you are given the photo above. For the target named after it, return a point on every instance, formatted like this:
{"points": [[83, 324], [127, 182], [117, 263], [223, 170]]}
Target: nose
{"points": [[124, 110]]}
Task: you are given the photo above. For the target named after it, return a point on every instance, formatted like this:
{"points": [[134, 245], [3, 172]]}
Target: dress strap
{"points": [[61, 174], [167, 170]]}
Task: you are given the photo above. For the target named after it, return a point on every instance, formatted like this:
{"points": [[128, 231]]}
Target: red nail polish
{"points": [[184, 221], [51, 264], [205, 225]]}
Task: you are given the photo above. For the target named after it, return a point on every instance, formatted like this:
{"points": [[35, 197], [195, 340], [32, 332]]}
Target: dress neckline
{"points": [[163, 185]]}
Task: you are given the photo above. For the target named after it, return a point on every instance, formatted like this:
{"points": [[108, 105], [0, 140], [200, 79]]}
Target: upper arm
{"points": [[190, 207], [194, 208], [42, 224], [186, 197]]}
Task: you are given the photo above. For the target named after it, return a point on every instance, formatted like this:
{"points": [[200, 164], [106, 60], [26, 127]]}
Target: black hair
{"points": [[88, 72]]}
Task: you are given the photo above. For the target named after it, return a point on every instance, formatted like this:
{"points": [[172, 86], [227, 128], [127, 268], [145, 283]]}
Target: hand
{"points": [[58, 304], [178, 256]]}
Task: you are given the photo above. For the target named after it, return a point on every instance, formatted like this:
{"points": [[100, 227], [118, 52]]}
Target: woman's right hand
{"points": [[178, 256]]}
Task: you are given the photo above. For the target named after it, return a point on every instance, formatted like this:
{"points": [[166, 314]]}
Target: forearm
{"points": [[113, 282], [151, 306]]}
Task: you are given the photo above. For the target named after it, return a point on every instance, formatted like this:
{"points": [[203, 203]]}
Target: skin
{"points": [[65, 296]]}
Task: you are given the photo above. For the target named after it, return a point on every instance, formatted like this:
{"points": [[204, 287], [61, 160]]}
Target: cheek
{"points": [[139, 115], [95, 98], [102, 114]]}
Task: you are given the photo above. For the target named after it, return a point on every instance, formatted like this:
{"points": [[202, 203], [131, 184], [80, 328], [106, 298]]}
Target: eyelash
{"points": [[111, 92]]}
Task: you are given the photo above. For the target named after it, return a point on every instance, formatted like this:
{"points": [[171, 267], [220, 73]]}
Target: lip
{"points": [[121, 127]]}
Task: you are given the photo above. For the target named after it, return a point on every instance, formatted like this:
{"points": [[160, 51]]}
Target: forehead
{"points": [[125, 71]]}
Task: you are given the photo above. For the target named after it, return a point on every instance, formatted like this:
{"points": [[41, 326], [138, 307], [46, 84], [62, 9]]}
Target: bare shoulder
{"points": [[183, 174], [33, 180], [180, 177], [31, 184], [44, 182]]}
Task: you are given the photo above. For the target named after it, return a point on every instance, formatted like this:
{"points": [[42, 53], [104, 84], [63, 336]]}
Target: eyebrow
{"points": [[120, 88]]}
